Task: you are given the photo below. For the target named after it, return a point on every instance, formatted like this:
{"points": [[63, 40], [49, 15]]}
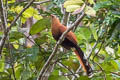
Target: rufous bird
{"points": [[70, 42]]}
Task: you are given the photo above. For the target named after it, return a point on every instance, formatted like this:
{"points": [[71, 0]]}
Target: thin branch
{"points": [[115, 73], [57, 44], [93, 48], [101, 69], [98, 50], [62, 65], [13, 71], [73, 78], [41, 2], [72, 74], [2, 42]]}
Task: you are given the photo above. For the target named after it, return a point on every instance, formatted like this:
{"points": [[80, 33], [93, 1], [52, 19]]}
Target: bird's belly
{"points": [[66, 43]]}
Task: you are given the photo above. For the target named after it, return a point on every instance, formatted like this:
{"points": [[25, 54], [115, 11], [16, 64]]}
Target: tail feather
{"points": [[83, 61]]}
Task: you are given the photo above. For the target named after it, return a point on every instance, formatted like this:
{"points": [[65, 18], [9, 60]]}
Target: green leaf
{"points": [[26, 75], [40, 26], [103, 4], [84, 33], [11, 1], [72, 8], [83, 78], [16, 46], [110, 65], [14, 35], [2, 64], [32, 53], [18, 71], [90, 11], [52, 77], [42, 39], [73, 2], [91, 1], [94, 33]]}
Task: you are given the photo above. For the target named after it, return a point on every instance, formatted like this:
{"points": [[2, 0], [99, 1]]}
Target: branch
{"points": [[4, 24], [2, 42], [98, 50], [73, 78], [62, 65], [93, 48], [115, 73], [41, 2], [66, 16], [13, 71], [57, 44], [3, 18]]}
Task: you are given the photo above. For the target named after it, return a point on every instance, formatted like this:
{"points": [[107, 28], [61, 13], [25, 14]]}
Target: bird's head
{"points": [[53, 16], [54, 19]]}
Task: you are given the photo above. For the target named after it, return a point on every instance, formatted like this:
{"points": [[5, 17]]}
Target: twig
{"points": [[57, 44], [115, 73], [62, 65], [12, 60], [101, 69], [41, 2], [73, 78], [2, 42], [72, 74], [93, 48], [13, 71], [98, 50]]}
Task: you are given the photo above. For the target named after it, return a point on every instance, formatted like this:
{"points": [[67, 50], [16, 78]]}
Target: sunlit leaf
{"points": [[73, 2], [11, 1], [90, 11], [91, 1], [16, 46], [71, 8], [2, 64]]}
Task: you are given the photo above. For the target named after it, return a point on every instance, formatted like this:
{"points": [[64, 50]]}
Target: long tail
{"points": [[83, 61]]}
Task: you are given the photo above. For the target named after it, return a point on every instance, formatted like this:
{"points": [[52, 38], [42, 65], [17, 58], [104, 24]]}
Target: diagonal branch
{"points": [[4, 24], [64, 66], [3, 18], [57, 45]]}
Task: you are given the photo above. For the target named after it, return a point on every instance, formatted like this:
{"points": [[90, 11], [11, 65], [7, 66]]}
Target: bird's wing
{"points": [[70, 36]]}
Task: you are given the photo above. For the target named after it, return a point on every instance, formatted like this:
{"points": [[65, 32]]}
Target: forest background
{"points": [[29, 52]]}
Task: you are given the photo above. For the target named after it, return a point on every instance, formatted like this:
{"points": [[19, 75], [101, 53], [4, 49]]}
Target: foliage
{"points": [[100, 26]]}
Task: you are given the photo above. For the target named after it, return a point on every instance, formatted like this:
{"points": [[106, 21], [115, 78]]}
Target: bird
{"points": [[70, 42]]}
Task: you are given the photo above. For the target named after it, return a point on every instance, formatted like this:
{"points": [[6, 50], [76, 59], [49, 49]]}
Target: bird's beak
{"points": [[52, 15]]}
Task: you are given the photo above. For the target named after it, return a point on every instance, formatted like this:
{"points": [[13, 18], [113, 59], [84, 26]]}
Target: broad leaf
{"points": [[90, 11], [73, 2], [40, 25]]}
